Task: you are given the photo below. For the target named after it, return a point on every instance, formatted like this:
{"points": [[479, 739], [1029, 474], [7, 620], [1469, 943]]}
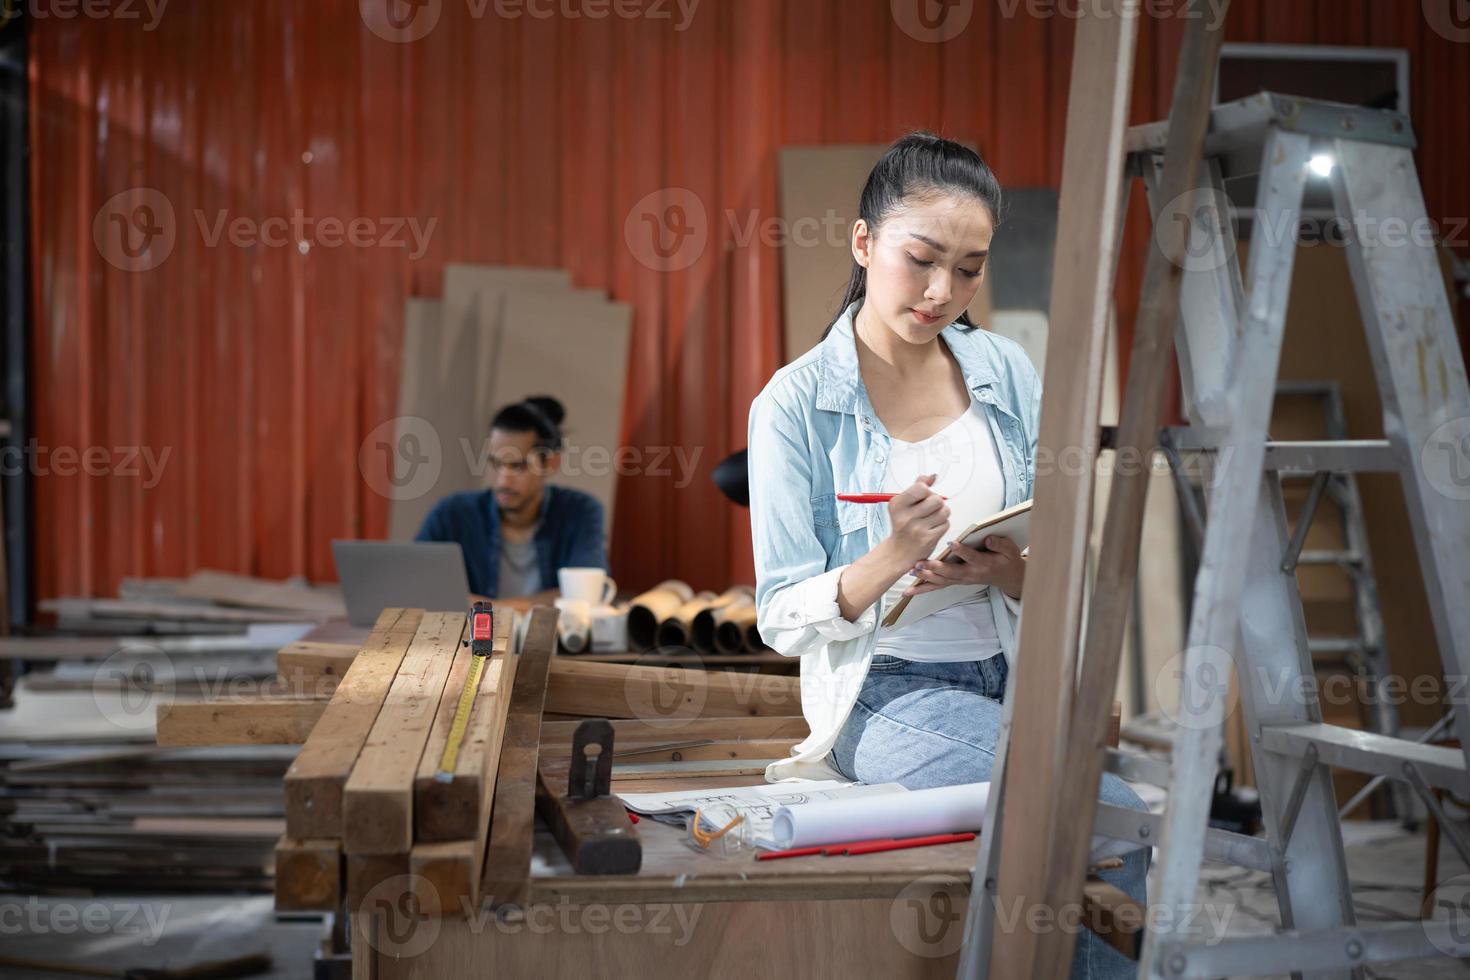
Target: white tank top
{"points": [[964, 456]]}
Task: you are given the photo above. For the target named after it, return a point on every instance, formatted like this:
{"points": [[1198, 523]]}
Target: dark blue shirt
{"points": [[570, 534]]}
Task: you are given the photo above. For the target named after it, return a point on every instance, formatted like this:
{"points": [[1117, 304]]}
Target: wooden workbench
{"points": [[686, 913]]}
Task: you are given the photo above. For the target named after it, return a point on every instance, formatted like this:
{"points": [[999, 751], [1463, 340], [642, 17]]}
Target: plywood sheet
{"points": [[576, 351]]}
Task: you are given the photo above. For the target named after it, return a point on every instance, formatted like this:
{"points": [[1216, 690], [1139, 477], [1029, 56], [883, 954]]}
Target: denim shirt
{"points": [[813, 434], [570, 534]]}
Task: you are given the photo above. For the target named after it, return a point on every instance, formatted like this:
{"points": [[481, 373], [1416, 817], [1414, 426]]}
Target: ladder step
{"points": [[1369, 752], [1300, 457], [1345, 456], [1336, 644], [1306, 950], [1320, 557]]}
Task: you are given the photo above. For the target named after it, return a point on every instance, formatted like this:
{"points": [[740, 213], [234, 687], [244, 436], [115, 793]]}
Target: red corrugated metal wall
{"points": [[527, 140]]}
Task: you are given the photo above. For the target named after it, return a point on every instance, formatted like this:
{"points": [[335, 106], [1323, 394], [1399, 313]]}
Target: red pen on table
{"points": [[868, 846], [870, 498]]}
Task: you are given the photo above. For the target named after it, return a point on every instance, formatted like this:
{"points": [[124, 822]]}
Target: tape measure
{"points": [[482, 644]]}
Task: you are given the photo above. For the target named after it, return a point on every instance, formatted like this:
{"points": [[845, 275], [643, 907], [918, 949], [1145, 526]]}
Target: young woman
{"points": [[904, 394]]}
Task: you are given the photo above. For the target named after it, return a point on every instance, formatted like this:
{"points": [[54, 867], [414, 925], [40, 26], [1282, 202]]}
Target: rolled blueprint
{"points": [[918, 813]]}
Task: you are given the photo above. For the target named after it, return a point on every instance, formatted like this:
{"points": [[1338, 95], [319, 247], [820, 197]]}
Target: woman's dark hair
{"points": [[540, 414], [919, 163]]}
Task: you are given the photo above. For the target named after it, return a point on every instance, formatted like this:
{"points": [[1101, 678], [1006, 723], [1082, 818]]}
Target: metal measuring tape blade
{"points": [[482, 644]]}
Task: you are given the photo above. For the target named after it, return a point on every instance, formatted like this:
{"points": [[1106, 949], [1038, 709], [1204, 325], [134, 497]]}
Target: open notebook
{"points": [[1013, 522]]}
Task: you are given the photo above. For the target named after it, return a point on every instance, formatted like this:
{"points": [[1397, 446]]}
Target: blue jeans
{"points": [[936, 724]]}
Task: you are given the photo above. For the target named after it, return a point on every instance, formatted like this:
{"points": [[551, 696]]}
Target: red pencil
{"points": [[867, 846], [872, 847], [793, 853], [870, 498]]}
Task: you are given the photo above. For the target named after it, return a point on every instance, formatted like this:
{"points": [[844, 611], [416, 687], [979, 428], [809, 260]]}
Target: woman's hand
{"points": [[919, 518], [1001, 566]]}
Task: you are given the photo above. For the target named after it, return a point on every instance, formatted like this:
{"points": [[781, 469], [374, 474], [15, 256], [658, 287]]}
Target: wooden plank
{"points": [[308, 875], [446, 876], [229, 589], [314, 782], [1117, 919], [508, 856], [1150, 367], [668, 696], [460, 809], [365, 872], [182, 612], [377, 801], [256, 721], [313, 669], [1087, 222], [633, 730]]}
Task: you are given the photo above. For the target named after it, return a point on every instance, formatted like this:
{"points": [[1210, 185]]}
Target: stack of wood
{"points": [[207, 602], [365, 815], [671, 617], [138, 818]]}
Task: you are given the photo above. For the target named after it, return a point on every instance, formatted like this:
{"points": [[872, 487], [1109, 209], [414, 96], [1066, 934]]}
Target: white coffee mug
{"points": [[592, 585]]}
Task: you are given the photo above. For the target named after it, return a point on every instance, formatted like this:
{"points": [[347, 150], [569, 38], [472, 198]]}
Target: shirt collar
{"points": [[840, 379]]}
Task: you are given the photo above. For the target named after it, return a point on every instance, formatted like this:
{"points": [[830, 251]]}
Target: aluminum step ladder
{"points": [[1361, 654], [1247, 608]]}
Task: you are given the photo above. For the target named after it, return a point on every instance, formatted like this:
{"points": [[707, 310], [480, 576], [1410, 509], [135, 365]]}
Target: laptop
{"points": [[376, 575]]}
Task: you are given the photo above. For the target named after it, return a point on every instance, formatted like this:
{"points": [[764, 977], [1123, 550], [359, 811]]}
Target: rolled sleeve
{"points": [[806, 614], [796, 593]]}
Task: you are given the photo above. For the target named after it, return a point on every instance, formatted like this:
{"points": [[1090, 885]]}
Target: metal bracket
{"points": [[1304, 522], [1298, 795]]}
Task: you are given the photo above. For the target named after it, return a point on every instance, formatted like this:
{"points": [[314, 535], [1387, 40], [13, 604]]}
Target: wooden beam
{"points": [[365, 872], [1150, 366], [314, 782], [254, 721], [308, 875], [1081, 301], [446, 876], [1114, 917], [634, 730], [311, 668], [377, 801], [508, 856], [668, 696], [459, 809], [229, 589]]}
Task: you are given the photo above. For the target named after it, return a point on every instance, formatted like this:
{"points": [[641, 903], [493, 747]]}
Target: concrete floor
{"points": [[1386, 866], [153, 931]]}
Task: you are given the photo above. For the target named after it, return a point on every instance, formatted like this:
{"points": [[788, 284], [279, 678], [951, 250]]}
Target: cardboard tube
{"points": [[730, 624], [675, 630], [753, 641], [702, 629], [652, 608]]}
